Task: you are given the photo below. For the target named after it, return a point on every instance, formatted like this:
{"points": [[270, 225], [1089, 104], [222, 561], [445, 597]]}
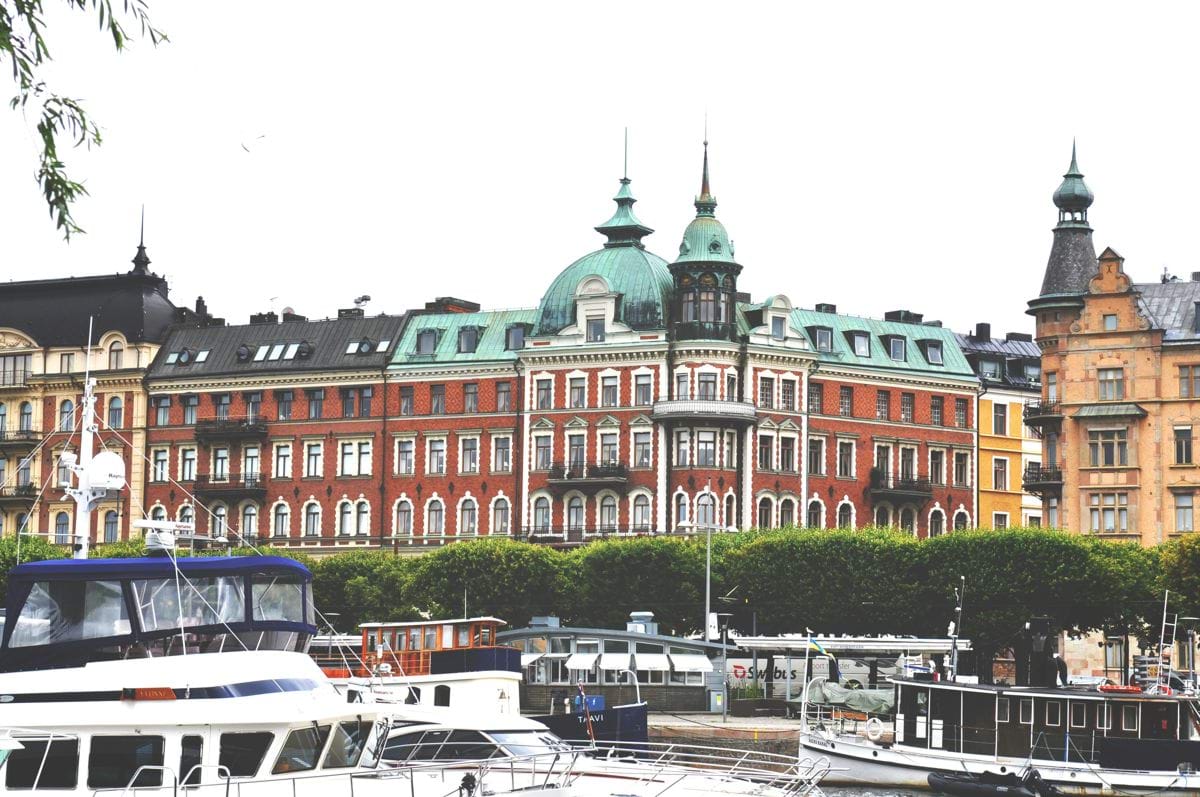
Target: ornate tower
{"points": [[705, 274], [1072, 255]]}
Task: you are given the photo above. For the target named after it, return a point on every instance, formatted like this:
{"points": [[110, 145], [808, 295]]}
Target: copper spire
{"points": [[706, 203]]}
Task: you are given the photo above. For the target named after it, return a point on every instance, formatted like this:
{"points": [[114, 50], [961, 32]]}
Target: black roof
{"points": [[1072, 262], [236, 349], [55, 312], [1011, 348]]}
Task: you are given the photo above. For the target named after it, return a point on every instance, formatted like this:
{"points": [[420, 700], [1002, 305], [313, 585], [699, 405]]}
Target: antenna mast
{"points": [[84, 495]]}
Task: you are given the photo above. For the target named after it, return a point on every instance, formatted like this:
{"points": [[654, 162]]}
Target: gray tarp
{"points": [[874, 701]]}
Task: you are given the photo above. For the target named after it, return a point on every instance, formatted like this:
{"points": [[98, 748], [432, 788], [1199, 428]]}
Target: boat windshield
{"points": [[529, 743]]}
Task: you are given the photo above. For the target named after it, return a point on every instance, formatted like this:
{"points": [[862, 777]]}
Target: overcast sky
{"points": [[877, 156]]}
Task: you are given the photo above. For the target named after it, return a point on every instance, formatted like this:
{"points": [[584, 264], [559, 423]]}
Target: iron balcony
{"points": [[248, 428], [705, 409], [1043, 415], [1042, 480], [20, 494], [16, 378], [585, 476], [17, 438], [247, 485], [884, 486]]}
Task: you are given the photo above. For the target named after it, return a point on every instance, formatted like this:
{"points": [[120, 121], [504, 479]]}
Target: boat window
{"points": [[374, 749], [60, 771], [206, 601], [528, 743], [427, 748], [66, 611], [1053, 713], [441, 695], [464, 636], [191, 756], [1103, 716], [414, 638], [1129, 717], [467, 746], [278, 597], [1002, 709], [301, 750], [1079, 715], [430, 637], [1027, 711], [114, 760], [399, 748], [349, 738], [242, 753]]}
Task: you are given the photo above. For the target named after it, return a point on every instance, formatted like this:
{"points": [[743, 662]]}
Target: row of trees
{"points": [[862, 582]]}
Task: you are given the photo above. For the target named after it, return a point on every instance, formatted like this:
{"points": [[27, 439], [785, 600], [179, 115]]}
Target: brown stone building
{"points": [[1121, 374]]}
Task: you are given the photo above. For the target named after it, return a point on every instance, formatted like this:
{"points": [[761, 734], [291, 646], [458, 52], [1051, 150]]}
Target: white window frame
{"points": [[429, 441], [462, 439], [411, 439]]}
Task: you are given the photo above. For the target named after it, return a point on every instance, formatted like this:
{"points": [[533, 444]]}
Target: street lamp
{"points": [[687, 527]]}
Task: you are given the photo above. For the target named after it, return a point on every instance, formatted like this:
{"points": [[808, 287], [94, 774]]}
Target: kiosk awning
{"points": [[614, 661], [530, 658], [582, 661], [691, 662], [657, 662]]}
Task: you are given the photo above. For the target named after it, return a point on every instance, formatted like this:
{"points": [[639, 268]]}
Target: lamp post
{"points": [[687, 527]]}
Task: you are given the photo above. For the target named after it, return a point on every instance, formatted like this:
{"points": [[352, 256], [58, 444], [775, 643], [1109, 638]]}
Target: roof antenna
{"points": [[141, 262], [625, 170]]}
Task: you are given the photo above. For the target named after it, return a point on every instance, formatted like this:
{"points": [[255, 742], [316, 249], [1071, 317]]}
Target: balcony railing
{"points": [[21, 437], [244, 428], [20, 492], [1040, 414], [16, 378], [707, 409], [583, 474], [886, 485], [1041, 480], [246, 483]]}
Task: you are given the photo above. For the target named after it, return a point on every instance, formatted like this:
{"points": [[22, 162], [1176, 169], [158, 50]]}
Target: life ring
{"points": [[874, 729]]}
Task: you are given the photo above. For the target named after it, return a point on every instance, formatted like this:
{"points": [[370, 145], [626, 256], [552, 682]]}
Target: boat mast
{"points": [[84, 495]]}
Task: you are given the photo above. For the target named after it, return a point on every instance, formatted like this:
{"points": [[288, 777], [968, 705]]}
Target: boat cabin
{"points": [[1125, 728], [425, 647], [68, 612]]}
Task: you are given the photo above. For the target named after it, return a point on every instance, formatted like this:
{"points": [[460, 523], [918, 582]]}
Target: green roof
{"points": [[641, 277], [954, 362], [490, 346]]}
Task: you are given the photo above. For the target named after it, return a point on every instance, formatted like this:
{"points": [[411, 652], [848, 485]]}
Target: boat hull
{"points": [[858, 762]]}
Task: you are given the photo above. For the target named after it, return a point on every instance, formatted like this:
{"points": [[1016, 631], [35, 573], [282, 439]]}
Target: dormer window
{"points": [[989, 369], [595, 330], [778, 327], [824, 338], [426, 341], [1033, 371], [861, 343], [933, 352], [896, 348], [514, 338], [468, 340]]}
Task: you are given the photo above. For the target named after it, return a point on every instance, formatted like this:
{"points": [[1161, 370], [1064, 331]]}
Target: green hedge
{"points": [[868, 581]]}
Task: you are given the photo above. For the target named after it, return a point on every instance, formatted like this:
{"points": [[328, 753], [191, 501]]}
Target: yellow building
{"points": [[1009, 371]]}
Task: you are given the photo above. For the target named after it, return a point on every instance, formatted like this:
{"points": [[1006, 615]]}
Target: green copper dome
{"points": [[705, 239], [1073, 195], [639, 277]]}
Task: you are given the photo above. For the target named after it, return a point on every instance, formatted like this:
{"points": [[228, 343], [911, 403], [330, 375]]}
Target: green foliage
{"points": [[363, 586], [605, 581], [60, 119], [511, 580], [1180, 567], [124, 549], [31, 549]]}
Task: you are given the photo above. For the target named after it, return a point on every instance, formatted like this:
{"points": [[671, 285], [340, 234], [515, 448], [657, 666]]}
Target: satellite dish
{"points": [[107, 471]]}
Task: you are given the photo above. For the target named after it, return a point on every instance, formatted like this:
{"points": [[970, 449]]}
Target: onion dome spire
{"points": [[1073, 197], [706, 203], [1072, 262], [624, 229], [141, 262]]}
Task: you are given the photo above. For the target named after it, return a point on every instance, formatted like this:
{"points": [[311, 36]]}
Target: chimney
{"points": [[642, 623], [825, 307], [264, 318], [293, 317], [903, 316], [1024, 337], [351, 312], [201, 307], [931, 323], [449, 304], [983, 331], [1196, 323]]}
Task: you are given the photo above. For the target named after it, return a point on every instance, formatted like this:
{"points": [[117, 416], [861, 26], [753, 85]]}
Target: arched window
{"points": [[706, 511], [908, 520], [111, 532], [280, 521], [66, 415], [116, 351], [468, 519], [363, 518], [249, 520], [312, 520], [845, 516], [641, 513], [437, 518], [345, 518], [960, 520], [816, 514], [403, 526], [116, 412], [731, 511], [187, 514], [541, 515], [608, 513], [62, 528], [500, 516], [764, 513], [937, 523], [883, 516], [25, 419], [220, 525], [158, 513], [681, 509], [787, 513], [575, 519]]}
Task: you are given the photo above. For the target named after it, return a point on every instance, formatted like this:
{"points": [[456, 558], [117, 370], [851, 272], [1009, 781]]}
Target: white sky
{"points": [[878, 156]]}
